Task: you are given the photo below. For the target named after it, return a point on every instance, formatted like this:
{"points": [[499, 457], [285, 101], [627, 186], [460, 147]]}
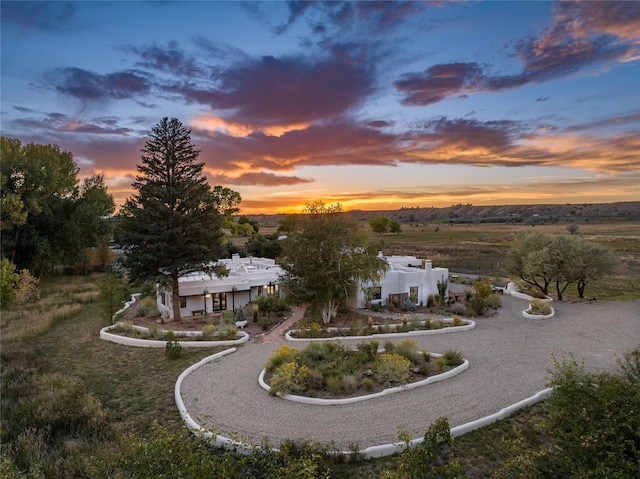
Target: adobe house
{"points": [[203, 294], [408, 278]]}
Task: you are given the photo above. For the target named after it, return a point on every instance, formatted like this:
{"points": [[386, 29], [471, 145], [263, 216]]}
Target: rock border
{"points": [[385, 392]]}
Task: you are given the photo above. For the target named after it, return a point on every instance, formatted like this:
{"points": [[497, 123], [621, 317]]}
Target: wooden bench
{"points": [[197, 312]]}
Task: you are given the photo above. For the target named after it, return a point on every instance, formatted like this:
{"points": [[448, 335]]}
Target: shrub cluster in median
{"points": [[328, 369]]}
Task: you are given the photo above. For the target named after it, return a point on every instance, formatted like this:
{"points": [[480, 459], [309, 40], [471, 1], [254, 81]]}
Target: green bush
{"points": [[173, 349], [453, 358], [147, 307], [392, 370], [430, 458], [8, 280], [228, 333], [540, 307], [593, 421]]}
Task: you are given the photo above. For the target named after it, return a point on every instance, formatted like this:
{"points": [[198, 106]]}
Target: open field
{"points": [[480, 248]]}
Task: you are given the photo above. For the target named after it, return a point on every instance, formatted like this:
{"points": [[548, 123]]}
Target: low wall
{"points": [[422, 332], [158, 343]]}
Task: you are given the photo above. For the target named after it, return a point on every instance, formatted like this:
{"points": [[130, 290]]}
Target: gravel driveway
{"points": [[509, 357]]}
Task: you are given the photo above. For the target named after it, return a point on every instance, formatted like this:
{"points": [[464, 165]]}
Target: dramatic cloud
{"points": [[85, 85], [581, 36], [170, 60], [440, 81], [286, 91]]}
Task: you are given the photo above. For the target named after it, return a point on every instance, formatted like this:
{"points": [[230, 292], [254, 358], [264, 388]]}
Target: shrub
{"points": [[173, 349], [539, 307], [458, 309], [392, 370], [493, 301], [408, 306], [240, 315], [452, 358], [441, 362], [457, 321], [208, 330], [289, 378], [349, 383], [407, 348], [147, 307], [271, 304], [229, 332], [334, 383], [8, 279], [593, 422], [283, 354], [27, 287], [369, 350], [368, 384]]}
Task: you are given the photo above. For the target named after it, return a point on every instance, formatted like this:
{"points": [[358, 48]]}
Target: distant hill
{"points": [[466, 213]]}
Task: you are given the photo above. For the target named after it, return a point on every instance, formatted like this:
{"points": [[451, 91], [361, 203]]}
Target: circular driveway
{"points": [[509, 360]]}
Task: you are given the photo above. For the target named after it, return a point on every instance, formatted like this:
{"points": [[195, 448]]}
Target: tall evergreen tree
{"points": [[171, 225]]}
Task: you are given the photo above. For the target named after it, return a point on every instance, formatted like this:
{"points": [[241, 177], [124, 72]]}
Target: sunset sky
{"points": [[374, 105]]}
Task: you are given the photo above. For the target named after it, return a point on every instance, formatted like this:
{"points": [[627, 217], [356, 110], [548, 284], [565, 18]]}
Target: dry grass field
{"points": [[480, 248]]}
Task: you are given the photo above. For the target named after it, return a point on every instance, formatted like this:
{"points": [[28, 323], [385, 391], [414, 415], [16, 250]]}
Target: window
{"points": [[272, 289], [413, 294], [219, 301], [163, 298], [259, 290], [183, 301], [374, 292]]}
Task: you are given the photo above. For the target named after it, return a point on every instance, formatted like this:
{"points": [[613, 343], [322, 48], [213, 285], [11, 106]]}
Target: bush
{"points": [[173, 349], [208, 330], [458, 309], [283, 354], [289, 378], [271, 304], [228, 333], [147, 307], [408, 306], [8, 280], [593, 422], [452, 358], [408, 349], [540, 307], [392, 370]]}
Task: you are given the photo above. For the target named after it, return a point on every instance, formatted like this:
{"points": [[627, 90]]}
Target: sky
{"points": [[373, 105]]}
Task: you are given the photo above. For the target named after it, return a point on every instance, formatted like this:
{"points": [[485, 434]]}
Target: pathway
{"points": [[509, 359]]}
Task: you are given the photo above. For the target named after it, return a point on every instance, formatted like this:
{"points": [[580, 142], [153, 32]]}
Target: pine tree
{"points": [[171, 225]]}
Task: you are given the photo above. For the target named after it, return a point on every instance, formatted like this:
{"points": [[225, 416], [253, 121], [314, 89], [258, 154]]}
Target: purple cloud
{"points": [[582, 35], [90, 86], [286, 91], [260, 179]]}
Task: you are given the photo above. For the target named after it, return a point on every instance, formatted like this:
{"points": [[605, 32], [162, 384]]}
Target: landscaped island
{"points": [[329, 370]]}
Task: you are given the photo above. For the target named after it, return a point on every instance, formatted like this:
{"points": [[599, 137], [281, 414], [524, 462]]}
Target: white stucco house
{"points": [[406, 278], [200, 293]]}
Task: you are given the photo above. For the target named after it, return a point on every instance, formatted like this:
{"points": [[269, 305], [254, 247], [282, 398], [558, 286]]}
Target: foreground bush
{"points": [[593, 424]]}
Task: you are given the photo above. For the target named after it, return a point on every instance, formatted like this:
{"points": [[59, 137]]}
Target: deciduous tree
{"points": [[48, 217], [379, 224], [326, 258], [172, 224]]}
